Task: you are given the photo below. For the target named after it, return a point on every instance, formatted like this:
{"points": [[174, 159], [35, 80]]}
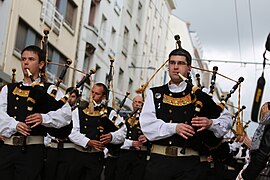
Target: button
{"points": [[170, 94], [17, 98], [170, 142], [86, 119], [14, 117], [129, 137], [171, 121], [85, 127], [15, 107], [184, 93], [170, 111]]}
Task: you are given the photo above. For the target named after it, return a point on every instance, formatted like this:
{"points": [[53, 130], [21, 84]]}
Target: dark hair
{"points": [[105, 89], [41, 57], [181, 52], [73, 90], [37, 50]]}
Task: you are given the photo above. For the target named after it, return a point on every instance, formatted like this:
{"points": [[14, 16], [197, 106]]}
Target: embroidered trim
{"points": [[19, 92], [183, 101], [102, 112]]}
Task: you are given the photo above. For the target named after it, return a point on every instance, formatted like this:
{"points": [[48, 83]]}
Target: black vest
{"points": [[17, 105], [95, 124], [174, 108], [134, 129]]}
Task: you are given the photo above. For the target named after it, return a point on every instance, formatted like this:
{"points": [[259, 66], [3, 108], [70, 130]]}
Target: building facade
{"points": [[24, 25]]}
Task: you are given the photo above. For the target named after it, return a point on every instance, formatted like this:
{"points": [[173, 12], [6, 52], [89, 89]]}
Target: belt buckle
{"points": [[18, 140], [60, 145], [171, 151], [89, 149]]}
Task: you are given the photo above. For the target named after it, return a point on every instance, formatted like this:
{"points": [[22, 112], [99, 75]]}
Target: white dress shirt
{"points": [[80, 139], [55, 119], [155, 129]]}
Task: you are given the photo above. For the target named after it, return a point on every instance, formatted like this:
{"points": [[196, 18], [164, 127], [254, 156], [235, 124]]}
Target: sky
{"points": [[232, 30]]}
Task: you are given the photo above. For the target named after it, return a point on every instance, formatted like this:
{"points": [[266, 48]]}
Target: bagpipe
{"points": [[260, 85], [204, 106], [39, 101], [205, 141]]}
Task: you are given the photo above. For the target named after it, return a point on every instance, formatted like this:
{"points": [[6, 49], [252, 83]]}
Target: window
{"points": [[103, 26], [120, 78], [135, 52], [26, 36], [92, 13], [69, 10], [98, 73], [113, 38], [130, 84], [125, 41], [89, 51], [54, 71]]}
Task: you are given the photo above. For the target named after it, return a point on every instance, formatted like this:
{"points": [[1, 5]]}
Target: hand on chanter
{"points": [[23, 129], [33, 119], [96, 145], [201, 122], [2, 138], [142, 139], [137, 145], [106, 138], [184, 130]]}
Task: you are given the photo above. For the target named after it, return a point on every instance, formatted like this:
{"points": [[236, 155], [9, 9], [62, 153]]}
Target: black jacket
{"points": [[258, 158]]}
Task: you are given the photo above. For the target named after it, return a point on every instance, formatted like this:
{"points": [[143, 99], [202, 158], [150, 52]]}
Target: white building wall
{"points": [[138, 42], [5, 9], [30, 11]]}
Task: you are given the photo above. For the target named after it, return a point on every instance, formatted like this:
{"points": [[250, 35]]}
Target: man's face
{"points": [[72, 99], [30, 60], [178, 64], [97, 94], [137, 102]]}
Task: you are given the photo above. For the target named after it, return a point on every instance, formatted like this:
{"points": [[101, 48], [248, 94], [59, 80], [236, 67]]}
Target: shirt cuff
{"points": [[128, 142], [13, 126], [171, 127], [84, 142]]}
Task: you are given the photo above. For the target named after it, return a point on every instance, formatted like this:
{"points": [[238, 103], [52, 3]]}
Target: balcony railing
{"points": [[51, 16]]}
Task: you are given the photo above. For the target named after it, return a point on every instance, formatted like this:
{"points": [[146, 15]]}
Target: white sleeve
{"points": [[59, 118], [153, 128], [118, 136], [222, 124], [7, 123], [76, 136], [118, 119], [127, 144]]}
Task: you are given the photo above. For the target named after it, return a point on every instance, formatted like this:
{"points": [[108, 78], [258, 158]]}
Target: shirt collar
{"points": [[26, 84], [177, 88]]}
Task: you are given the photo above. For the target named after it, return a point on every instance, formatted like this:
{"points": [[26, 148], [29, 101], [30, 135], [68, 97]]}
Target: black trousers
{"points": [[58, 163], [218, 171], [86, 166], [110, 168], [18, 165], [161, 167], [131, 165]]}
